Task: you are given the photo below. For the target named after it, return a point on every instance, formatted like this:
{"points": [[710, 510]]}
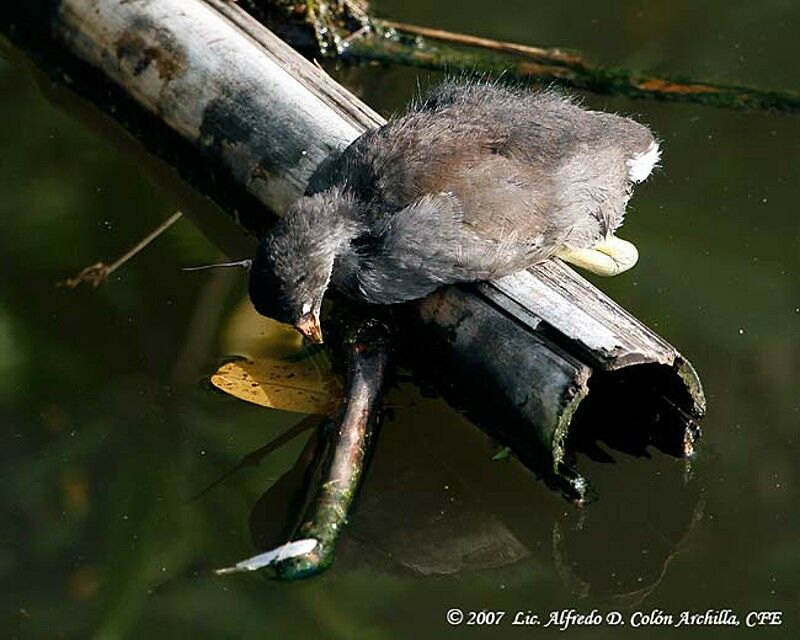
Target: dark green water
{"points": [[109, 428]]}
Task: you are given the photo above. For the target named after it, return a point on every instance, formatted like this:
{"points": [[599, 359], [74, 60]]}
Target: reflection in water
{"points": [[435, 504], [645, 511]]}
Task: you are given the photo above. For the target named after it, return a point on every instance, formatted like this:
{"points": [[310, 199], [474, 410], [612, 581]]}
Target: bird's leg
{"points": [[608, 258]]}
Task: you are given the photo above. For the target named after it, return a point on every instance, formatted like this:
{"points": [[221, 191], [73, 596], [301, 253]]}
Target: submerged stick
{"points": [[483, 55], [540, 53], [345, 442], [340, 454]]}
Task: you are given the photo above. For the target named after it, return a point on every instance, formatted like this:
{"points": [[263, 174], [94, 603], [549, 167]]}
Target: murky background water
{"points": [[110, 429]]}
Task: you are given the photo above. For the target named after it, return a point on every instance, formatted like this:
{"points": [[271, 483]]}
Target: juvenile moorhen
{"points": [[476, 180]]}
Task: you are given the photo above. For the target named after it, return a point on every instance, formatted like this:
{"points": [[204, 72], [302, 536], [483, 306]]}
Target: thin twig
{"points": [[97, 273], [541, 53], [357, 34]]}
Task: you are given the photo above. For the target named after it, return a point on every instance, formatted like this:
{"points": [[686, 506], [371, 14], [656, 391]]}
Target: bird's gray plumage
{"points": [[475, 181]]}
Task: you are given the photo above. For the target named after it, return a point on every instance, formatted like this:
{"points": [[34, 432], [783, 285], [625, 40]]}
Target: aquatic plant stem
{"points": [[541, 53]]}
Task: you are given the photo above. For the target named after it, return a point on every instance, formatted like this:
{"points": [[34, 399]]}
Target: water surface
{"points": [[111, 428]]}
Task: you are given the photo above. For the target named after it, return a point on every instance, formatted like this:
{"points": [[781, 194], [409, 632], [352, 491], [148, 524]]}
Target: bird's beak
{"points": [[308, 325]]}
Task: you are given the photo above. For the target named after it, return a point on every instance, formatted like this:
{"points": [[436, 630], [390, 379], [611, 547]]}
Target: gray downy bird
{"points": [[475, 181]]}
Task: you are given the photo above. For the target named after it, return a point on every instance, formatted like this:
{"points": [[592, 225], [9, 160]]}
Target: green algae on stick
{"points": [[344, 450]]}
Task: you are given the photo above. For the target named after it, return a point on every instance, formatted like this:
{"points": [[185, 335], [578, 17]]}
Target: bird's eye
{"points": [[306, 308]]}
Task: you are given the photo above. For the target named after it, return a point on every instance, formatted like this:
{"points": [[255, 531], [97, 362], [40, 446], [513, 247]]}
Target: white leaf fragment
{"points": [[273, 556]]}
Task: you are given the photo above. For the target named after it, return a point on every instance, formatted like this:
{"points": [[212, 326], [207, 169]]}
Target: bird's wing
{"points": [[430, 243], [552, 166], [529, 161], [530, 126], [434, 235]]}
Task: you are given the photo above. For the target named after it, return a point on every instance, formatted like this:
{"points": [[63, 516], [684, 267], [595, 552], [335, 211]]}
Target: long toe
{"points": [[609, 258], [623, 253]]}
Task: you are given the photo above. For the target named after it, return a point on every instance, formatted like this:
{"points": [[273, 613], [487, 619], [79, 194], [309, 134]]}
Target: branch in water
{"points": [[341, 452], [347, 32], [540, 53], [550, 68], [255, 457], [346, 443]]}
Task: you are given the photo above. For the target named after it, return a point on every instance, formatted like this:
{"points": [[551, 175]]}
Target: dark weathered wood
{"points": [[246, 119], [518, 384]]}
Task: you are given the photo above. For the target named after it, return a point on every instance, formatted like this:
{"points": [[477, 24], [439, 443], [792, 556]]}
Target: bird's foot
{"points": [[608, 258]]}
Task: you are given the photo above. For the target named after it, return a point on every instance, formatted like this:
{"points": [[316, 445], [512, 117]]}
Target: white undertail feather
{"points": [[641, 165]]}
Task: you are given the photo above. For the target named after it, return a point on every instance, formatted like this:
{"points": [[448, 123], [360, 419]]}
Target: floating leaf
{"points": [[301, 386], [279, 371]]}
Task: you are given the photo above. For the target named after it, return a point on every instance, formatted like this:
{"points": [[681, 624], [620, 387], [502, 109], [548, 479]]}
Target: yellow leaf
{"points": [[298, 386]]}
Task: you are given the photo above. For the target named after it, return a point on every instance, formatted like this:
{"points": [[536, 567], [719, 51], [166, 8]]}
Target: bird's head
{"points": [[294, 261]]}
